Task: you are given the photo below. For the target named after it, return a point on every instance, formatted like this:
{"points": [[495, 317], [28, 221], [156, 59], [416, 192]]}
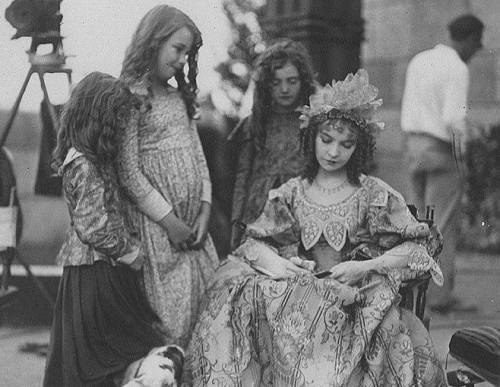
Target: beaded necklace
{"points": [[330, 190]]}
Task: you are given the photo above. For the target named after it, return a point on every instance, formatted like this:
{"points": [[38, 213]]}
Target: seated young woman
{"points": [[272, 320]]}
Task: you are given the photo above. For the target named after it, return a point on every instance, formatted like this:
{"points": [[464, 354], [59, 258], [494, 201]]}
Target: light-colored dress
{"points": [[162, 166], [305, 331]]}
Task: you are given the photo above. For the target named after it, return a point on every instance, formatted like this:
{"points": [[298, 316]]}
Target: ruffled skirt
{"points": [[102, 323]]}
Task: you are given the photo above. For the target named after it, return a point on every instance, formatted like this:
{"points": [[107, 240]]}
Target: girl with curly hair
{"points": [[163, 170], [311, 297], [102, 321], [266, 141]]}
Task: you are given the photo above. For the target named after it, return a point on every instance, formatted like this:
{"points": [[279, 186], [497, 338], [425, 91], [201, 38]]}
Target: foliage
{"points": [[247, 44], [480, 226]]}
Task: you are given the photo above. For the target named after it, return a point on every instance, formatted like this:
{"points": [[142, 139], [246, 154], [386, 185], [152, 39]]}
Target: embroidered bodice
{"points": [[372, 220], [336, 221]]}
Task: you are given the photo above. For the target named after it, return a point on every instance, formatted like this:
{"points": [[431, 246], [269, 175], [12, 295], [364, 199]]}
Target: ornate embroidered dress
{"points": [[161, 154], [305, 331]]}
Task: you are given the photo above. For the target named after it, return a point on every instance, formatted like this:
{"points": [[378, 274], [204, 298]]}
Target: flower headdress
{"points": [[352, 99]]}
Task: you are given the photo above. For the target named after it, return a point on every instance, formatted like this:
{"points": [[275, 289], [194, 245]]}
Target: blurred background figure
{"points": [[266, 141], [433, 112]]}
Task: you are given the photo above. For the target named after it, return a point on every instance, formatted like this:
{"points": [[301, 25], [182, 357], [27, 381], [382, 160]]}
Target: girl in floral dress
{"points": [[163, 169], [295, 305]]}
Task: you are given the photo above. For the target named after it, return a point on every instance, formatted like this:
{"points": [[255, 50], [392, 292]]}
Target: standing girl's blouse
{"points": [[162, 168], [98, 230]]}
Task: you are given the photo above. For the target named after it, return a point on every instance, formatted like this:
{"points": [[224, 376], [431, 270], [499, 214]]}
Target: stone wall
{"points": [[330, 29]]}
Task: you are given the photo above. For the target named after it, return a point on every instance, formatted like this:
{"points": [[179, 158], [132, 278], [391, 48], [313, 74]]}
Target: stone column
{"points": [[332, 31]]}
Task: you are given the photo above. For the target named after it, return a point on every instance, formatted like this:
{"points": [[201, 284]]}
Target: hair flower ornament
{"points": [[353, 99], [305, 117], [141, 86]]}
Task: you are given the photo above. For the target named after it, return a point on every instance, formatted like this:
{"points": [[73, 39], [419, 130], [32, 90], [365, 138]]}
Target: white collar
{"points": [[71, 155]]}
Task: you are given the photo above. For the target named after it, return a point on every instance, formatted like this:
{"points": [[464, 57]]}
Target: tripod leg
{"points": [[6, 258], [52, 113], [13, 112], [37, 282]]}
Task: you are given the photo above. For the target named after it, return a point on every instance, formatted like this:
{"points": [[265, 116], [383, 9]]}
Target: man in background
{"points": [[433, 116]]}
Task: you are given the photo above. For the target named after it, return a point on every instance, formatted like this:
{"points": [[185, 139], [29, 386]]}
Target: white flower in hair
{"points": [[353, 97]]}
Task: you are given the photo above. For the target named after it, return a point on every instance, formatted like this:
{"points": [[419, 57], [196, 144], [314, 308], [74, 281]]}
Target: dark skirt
{"points": [[102, 323]]}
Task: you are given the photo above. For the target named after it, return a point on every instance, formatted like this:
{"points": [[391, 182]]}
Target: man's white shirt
{"points": [[435, 96]]}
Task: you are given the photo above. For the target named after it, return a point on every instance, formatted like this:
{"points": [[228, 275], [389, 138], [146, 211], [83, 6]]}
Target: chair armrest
{"points": [[413, 295]]}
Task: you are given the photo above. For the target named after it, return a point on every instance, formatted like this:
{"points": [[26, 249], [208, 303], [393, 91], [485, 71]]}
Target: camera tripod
{"points": [[6, 291], [41, 70]]}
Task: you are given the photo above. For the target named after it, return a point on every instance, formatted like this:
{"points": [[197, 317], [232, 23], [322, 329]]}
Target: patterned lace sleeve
{"points": [[94, 212], [276, 226], [394, 229], [202, 164], [137, 186]]}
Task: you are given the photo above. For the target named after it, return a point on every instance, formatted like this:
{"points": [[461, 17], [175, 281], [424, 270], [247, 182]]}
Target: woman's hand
{"points": [[137, 263], [281, 267], [134, 259], [179, 234], [200, 228], [262, 256], [350, 272]]}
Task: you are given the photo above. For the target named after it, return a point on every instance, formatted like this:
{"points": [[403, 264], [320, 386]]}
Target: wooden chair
{"points": [[413, 297], [8, 199], [8, 241], [9, 202], [413, 292], [7, 292]]}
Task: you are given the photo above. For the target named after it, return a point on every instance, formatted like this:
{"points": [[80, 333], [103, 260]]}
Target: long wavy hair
{"points": [[153, 30], [98, 108], [360, 160], [274, 58]]}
